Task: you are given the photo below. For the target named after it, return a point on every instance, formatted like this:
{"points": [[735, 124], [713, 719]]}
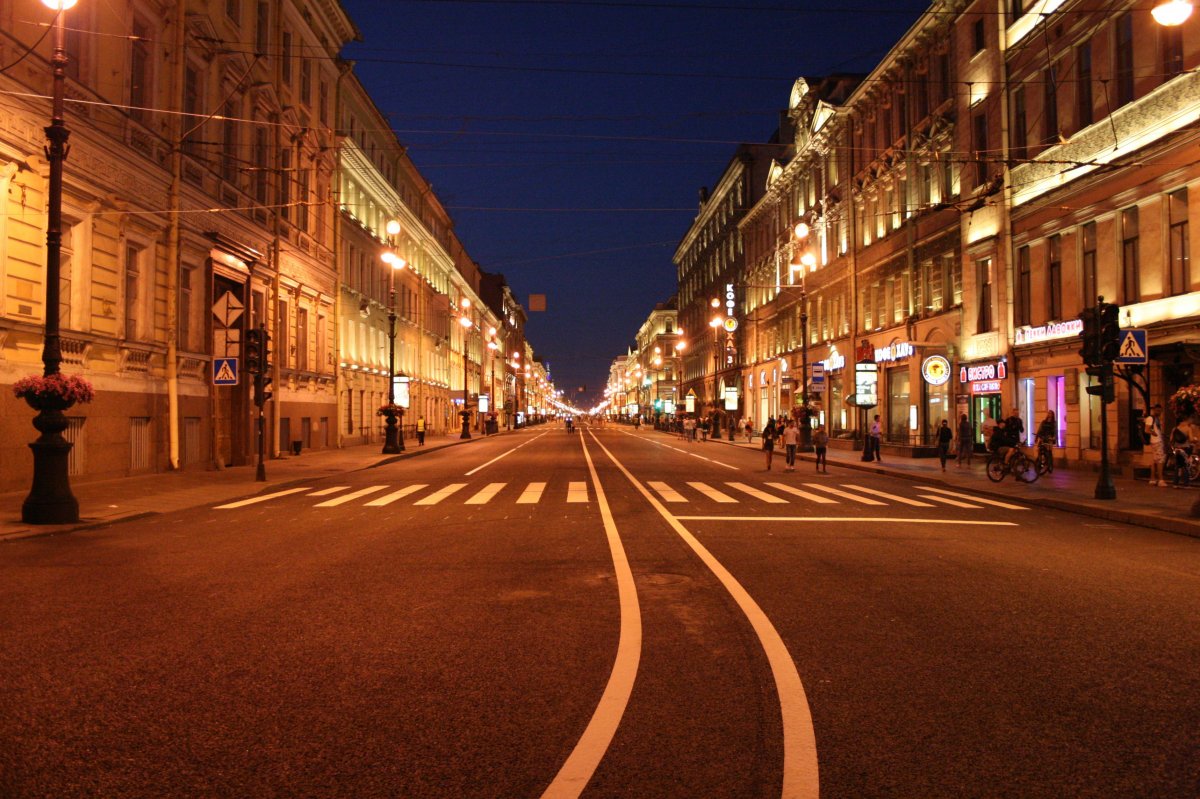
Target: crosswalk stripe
{"points": [[344, 498], [439, 495], [844, 494], [995, 502], [711, 492], [666, 492], [531, 494], [324, 492], [949, 501], [577, 492], [388, 499], [914, 502], [803, 494], [244, 502], [754, 492], [485, 495]]}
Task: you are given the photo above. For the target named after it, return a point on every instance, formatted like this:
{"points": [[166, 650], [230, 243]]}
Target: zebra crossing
{"points": [[684, 492]]}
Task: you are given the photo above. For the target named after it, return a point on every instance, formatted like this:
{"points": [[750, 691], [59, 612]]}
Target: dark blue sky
{"points": [[569, 138]]}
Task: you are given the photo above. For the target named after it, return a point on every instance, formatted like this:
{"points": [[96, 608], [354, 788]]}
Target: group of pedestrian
{"points": [[787, 432], [1184, 439]]}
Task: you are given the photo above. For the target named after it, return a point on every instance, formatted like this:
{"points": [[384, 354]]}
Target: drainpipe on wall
{"points": [[174, 260]]}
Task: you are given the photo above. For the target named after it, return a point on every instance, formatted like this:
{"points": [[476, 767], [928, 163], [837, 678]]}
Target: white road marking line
{"points": [[840, 519], [915, 503], [577, 492], [485, 494], [844, 494], [244, 502], [754, 492], [804, 494], [949, 501], [531, 494], [684, 451], [666, 492], [973, 498], [324, 492], [440, 494], [581, 764], [800, 777], [388, 499], [344, 498], [711, 492], [502, 454]]}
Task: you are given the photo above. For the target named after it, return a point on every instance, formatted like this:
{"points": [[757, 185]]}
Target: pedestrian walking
{"points": [[689, 429], [637, 423], [876, 437], [820, 441], [944, 436], [989, 431], [420, 431], [748, 429], [965, 440], [791, 439], [704, 425], [1152, 435], [768, 440]]}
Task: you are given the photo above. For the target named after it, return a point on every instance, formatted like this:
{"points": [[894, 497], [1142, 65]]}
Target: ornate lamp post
{"points": [[393, 439], [492, 348], [807, 263], [50, 500], [467, 325]]}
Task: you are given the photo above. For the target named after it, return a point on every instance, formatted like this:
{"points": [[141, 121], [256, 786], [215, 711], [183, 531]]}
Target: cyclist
{"points": [[1013, 431]]}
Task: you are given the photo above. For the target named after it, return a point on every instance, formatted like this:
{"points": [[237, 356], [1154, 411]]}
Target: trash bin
{"points": [[296, 446]]}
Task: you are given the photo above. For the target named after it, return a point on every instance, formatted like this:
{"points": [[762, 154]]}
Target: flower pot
{"points": [[48, 402]]}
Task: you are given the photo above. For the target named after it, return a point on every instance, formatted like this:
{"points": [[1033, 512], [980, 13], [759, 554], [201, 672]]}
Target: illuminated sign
{"points": [[730, 324], [1050, 332], [835, 361], [936, 370], [731, 398], [983, 371], [894, 352], [866, 384], [985, 387]]}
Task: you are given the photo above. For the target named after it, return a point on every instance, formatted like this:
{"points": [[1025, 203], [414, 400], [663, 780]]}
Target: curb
{"points": [[1179, 526]]}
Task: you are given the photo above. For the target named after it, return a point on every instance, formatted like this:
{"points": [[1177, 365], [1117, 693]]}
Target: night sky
{"points": [[569, 139]]}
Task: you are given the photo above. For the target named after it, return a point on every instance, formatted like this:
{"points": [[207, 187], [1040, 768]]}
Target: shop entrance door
{"points": [[980, 403]]}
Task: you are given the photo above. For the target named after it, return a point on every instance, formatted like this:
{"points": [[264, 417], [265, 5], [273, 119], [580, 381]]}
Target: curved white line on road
{"points": [[502, 454], [799, 739], [579, 767], [677, 449]]}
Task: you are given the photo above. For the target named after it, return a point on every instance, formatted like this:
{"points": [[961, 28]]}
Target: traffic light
{"points": [[1089, 350], [262, 389], [1106, 388], [252, 350], [1110, 331]]}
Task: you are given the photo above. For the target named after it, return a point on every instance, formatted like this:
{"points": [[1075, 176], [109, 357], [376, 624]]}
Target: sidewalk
{"points": [[1070, 490], [103, 502]]}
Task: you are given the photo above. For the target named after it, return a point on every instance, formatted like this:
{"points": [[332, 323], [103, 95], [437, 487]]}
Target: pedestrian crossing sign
{"points": [[225, 371], [1133, 349]]}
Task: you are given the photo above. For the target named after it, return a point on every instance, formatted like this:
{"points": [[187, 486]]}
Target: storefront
{"points": [[900, 422], [983, 384], [935, 386], [836, 417]]}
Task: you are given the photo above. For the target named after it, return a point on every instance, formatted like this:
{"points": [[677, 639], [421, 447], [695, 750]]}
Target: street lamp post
{"points": [[467, 324], [393, 439], [716, 323], [492, 347], [807, 262], [50, 500]]}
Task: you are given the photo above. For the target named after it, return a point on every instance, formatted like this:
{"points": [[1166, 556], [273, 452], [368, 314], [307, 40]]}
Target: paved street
{"points": [[612, 614]]}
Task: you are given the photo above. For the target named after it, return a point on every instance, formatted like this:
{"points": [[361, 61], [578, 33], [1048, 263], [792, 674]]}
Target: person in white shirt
{"points": [[791, 439]]}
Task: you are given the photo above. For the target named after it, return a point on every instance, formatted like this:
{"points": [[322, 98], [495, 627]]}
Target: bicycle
{"points": [[1191, 461], [1019, 466], [1044, 462]]}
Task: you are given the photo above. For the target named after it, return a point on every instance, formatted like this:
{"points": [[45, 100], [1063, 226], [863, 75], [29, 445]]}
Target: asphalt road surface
{"points": [[603, 614]]}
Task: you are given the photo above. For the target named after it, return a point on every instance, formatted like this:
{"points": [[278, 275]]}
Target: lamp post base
{"points": [[50, 500], [466, 424], [391, 444]]}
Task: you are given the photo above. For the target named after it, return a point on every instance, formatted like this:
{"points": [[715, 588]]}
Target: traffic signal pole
{"points": [[1100, 348]]}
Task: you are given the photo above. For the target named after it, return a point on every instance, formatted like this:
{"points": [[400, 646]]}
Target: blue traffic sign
{"points": [[225, 371], [1133, 348]]}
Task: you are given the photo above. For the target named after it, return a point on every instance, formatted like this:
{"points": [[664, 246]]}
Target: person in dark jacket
{"points": [[944, 436]]}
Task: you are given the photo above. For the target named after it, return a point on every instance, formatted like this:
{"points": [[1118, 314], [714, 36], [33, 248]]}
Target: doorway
{"points": [[981, 403]]}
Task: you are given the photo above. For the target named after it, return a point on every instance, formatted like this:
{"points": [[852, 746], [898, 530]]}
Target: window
{"points": [[185, 308], [1180, 256], [139, 70], [1171, 43], [302, 339], [305, 78], [1124, 58], [1054, 278], [1130, 272], [983, 270], [229, 140], [302, 197], [133, 291], [285, 184], [980, 141], [980, 35], [286, 55], [281, 349], [1088, 263], [260, 164], [262, 28], [1083, 84], [1024, 288], [323, 102], [193, 101], [1050, 106], [1020, 134]]}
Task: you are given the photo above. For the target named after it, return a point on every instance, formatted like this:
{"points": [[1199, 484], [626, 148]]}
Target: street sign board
{"points": [[1133, 349], [225, 371], [818, 377], [227, 309]]}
